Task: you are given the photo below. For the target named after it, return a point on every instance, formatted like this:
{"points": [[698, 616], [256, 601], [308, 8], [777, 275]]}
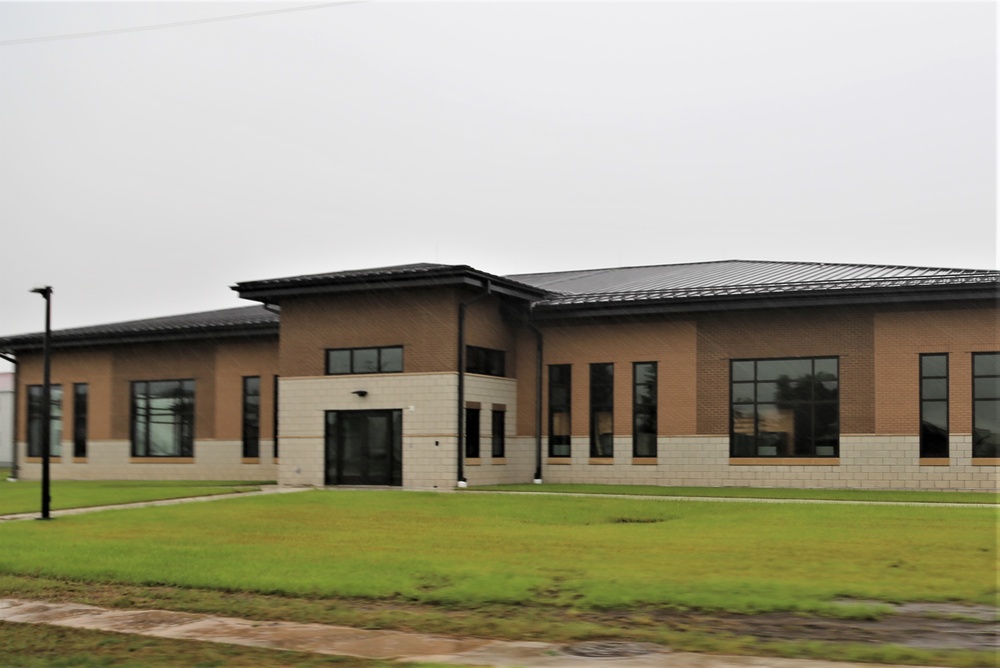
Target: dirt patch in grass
{"points": [[934, 628], [907, 629]]}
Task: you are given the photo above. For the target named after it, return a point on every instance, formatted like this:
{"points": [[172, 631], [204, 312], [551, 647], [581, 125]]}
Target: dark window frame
{"points": [[251, 417], [982, 451], [926, 447], [756, 381], [80, 408], [498, 433], [645, 411], [353, 371], [561, 446], [485, 361], [184, 427], [473, 426], [602, 386], [34, 416]]}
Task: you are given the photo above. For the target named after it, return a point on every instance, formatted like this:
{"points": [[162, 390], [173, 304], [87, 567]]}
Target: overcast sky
{"points": [[144, 172]]}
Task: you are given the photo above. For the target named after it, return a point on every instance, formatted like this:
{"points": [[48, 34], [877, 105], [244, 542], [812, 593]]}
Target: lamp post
{"points": [[46, 293]]}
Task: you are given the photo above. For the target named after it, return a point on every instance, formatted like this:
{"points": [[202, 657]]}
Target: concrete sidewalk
{"points": [[385, 645]]}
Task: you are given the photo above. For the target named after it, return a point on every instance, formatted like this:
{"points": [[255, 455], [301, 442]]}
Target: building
{"points": [[740, 373], [6, 419]]}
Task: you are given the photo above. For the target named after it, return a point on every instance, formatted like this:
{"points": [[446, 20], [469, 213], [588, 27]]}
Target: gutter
{"points": [[488, 290], [538, 401]]}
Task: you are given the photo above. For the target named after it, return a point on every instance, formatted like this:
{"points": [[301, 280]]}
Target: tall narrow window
{"points": [[472, 433], [934, 405], [79, 419], [274, 410], [251, 416], [785, 408], [644, 409], [163, 418], [986, 404], [602, 410], [559, 409], [499, 447], [36, 420]]}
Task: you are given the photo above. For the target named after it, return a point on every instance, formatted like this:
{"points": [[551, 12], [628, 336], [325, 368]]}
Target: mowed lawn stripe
{"points": [[469, 549]]}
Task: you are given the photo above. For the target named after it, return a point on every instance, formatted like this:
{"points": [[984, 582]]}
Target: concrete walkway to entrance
{"points": [[385, 645]]}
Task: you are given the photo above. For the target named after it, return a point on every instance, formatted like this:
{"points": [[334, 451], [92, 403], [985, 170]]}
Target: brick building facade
{"points": [[721, 373]]}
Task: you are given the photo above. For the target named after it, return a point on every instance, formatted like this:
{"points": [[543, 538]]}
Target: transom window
{"points": [[986, 404], [163, 418], [485, 361], [785, 408], [387, 359]]}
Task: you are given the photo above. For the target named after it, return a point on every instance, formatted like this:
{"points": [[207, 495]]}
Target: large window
{"points": [[602, 410], [499, 446], [644, 409], [559, 404], [251, 416], [486, 361], [785, 408], [934, 405], [472, 433], [388, 359], [986, 404], [36, 419], [163, 418], [80, 419]]}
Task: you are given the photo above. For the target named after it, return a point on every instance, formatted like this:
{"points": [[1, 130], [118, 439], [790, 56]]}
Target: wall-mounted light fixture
{"points": [[360, 393]]}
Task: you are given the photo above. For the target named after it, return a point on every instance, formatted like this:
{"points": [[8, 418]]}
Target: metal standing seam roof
{"points": [[690, 283], [254, 319], [748, 278]]}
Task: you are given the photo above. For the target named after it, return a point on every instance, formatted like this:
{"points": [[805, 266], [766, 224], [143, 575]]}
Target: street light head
{"points": [[44, 291]]}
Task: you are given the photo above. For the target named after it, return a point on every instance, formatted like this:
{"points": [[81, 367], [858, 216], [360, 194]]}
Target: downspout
{"points": [[462, 482], [13, 437], [538, 402]]}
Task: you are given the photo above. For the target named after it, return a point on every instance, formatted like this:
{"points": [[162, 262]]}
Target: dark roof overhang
{"points": [[579, 307], [253, 321], [273, 291]]}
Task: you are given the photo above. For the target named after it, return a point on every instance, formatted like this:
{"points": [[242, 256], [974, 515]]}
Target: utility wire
{"points": [[177, 24]]}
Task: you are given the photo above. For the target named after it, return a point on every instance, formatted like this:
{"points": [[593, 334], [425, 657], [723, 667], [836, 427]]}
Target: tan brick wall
{"points": [[422, 321], [806, 332], [428, 401], [866, 462], [672, 344], [902, 335], [109, 460]]}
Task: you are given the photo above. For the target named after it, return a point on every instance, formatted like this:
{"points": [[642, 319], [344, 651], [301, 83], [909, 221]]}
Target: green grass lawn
{"points": [[25, 496], [755, 493], [466, 550]]}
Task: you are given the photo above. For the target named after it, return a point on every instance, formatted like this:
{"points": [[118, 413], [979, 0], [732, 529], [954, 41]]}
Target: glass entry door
{"points": [[364, 448]]}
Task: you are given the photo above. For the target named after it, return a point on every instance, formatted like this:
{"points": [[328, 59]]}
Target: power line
{"points": [[177, 24]]}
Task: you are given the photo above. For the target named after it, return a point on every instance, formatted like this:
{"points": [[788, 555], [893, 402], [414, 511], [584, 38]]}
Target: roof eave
{"points": [[34, 342], [463, 278], [869, 297]]}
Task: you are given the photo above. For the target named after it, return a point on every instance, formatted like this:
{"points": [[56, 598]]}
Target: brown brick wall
{"points": [[806, 332], [79, 366], [486, 327], [670, 343], [901, 335], [233, 361], [217, 368], [423, 321]]}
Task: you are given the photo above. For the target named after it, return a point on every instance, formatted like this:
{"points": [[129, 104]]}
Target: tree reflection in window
{"points": [[785, 408]]}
